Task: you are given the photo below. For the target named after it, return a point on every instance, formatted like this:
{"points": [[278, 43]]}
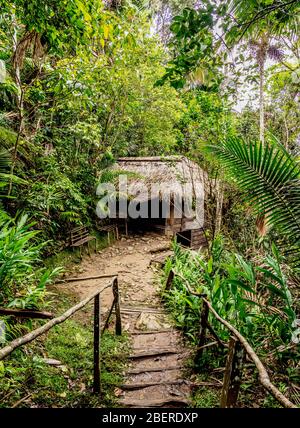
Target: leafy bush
{"points": [[22, 280], [253, 297]]}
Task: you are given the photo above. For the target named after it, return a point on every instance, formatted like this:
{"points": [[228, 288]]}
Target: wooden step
{"points": [[166, 402], [133, 386], [156, 369], [167, 330], [154, 353], [127, 310]]}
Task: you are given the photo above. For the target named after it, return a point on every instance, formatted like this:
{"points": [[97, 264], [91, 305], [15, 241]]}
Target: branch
{"points": [[25, 313], [29, 337], [263, 374], [259, 15]]}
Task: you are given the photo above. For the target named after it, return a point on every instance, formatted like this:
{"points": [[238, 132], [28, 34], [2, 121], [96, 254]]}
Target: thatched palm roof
{"points": [[173, 175]]}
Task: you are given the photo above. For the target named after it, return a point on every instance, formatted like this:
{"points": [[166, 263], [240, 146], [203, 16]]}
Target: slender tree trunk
{"points": [[286, 132], [219, 206], [20, 105], [261, 103]]}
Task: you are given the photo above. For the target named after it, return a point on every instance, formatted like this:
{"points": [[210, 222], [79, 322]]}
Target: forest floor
{"points": [[155, 373]]}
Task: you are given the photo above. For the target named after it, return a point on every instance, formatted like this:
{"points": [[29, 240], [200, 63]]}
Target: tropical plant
{"points": [[255, 297], [269, 177], [23, 281]]}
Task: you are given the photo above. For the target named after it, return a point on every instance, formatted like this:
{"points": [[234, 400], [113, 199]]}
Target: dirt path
{"points": [[154, 377]]}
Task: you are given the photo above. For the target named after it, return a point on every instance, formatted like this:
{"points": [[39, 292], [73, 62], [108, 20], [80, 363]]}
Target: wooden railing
{"points": [[237, 347], [29, 337]]}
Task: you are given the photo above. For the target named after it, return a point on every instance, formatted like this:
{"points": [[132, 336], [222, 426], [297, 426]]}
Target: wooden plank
{"points": [[83, 241], [134, 386], [158, 369], [26, 313], [77, 229], [127, 310], [152, 353]]}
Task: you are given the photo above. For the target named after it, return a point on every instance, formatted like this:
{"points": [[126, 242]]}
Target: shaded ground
{"points": [[154, 377]]}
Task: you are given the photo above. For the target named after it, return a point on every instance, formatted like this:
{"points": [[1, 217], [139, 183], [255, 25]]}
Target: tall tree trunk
{"points": [[261, 103], [20, 105]]}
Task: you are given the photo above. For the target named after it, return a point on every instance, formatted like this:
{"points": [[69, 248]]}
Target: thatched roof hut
{"points": [[174, 180]]}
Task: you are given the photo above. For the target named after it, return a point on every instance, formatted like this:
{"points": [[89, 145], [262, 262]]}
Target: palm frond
{"points": [[270, 179], [4, 161]]}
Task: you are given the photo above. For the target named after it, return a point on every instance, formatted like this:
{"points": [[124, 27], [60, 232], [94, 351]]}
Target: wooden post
{"points": [[233, 372], [108, 316], [202, 333], [117, 306], [97, 383], [169, 280], [126, 228]]}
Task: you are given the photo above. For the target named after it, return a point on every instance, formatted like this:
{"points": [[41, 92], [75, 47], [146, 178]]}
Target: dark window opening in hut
{"points": [[157, 196], [145, 216], [184, 238]]}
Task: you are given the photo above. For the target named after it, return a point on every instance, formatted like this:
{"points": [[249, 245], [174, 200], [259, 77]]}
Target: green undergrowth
{"points": [[71, 257], [223, 277], [27, 380]]}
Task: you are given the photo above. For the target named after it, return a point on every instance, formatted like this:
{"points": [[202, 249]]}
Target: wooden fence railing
{"points": [[29, 337], [237, 347]]}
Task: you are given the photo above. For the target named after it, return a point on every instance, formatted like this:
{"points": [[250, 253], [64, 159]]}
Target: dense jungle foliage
{"points": [[83, 82]]}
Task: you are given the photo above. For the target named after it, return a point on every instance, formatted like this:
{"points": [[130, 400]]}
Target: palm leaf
{"points": [[4, 161], [270, 178]]}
